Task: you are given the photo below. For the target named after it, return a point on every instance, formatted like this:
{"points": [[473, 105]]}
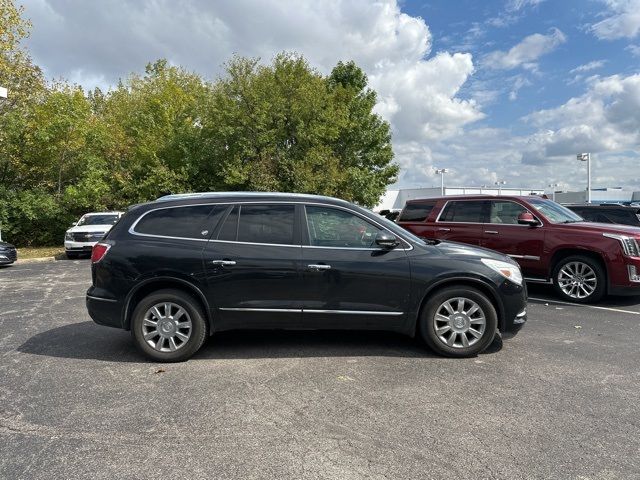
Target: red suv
{"points": [[584, 261]]}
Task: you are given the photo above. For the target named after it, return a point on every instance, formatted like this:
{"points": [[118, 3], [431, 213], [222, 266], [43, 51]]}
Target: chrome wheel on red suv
{"points": [[579, 279]]}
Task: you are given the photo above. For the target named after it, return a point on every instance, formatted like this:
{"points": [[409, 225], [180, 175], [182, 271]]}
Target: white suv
{"points": [[88, 231]]}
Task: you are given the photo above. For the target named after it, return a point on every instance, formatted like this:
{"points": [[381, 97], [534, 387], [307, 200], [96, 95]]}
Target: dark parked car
{"points": [[584, 261], [177, 270], [8, 253], [621, 214]]}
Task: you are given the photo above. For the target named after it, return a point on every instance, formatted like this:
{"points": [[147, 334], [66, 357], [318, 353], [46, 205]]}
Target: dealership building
{"points": [[395, 199]]}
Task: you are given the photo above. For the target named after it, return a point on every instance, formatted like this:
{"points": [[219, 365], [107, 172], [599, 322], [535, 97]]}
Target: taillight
{"points": [[98, 251]]}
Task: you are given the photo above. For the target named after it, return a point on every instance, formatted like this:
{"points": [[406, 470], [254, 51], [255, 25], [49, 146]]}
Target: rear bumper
{"points": [[102, 310]]}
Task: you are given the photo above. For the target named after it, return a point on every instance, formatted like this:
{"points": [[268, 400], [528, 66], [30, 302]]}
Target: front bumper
{"points": [[514, 300], [70, 246], [8, 256]]}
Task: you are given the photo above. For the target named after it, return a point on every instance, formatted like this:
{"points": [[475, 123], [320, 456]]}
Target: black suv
{"points": [[604, 213], [176, 270]]}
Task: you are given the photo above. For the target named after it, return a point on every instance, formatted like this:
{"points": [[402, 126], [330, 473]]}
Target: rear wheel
{"points": [[579, 279], [458, 322], [169, 326]]}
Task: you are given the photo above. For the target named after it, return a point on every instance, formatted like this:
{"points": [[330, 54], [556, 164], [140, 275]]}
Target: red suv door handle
{"points": [[444, 229], [491, 232]]}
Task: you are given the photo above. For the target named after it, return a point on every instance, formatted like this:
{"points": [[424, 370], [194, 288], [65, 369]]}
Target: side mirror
{"points": [[527, 218], [73, 224], [386, 240]]}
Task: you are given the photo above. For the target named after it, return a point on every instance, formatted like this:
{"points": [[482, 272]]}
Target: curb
{"points": [[34, 260]]}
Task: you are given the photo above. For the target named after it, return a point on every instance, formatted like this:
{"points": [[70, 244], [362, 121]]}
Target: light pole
{"points": [[441, 172], [553, 190], [586, 157], [500, 183]]}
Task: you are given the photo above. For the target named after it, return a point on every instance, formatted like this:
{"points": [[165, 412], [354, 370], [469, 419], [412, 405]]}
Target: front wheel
{"points": [[169, 326], [458, 322], [579, 279]]}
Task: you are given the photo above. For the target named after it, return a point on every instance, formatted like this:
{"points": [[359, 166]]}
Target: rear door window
{"points": [[464, 211], [416, 212], [273, 224], [195, 222]]}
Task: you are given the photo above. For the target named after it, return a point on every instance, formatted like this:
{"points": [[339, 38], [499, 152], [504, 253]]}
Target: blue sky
{"points": [[486, 26], [493, 90]]}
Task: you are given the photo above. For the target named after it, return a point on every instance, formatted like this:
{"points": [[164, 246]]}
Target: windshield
{"points": [[554, 212], [110, 219]]}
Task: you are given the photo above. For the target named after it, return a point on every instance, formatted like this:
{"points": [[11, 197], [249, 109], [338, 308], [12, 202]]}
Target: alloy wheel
{"points": [[460, 322], [577, 280], [166, 327]]}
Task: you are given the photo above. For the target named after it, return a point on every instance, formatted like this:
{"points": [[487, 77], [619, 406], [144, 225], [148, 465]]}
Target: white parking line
{"points": [[619, 310]]}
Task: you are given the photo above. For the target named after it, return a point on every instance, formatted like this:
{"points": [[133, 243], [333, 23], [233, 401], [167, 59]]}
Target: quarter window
{"points": [[416, 212], [505, 212], [331, 227], [467, 211], [260, 224], [196, 221]]}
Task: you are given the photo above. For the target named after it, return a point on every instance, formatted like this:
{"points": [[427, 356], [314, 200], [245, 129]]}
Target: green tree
{"points": [[154, 122], [285, 127]]}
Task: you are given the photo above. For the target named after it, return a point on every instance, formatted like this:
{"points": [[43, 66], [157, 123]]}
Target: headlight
{"points": [[629, 244], [68, 236], [507, 270]]}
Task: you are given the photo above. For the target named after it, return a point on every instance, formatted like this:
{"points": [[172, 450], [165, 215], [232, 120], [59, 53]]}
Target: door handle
{"points": [[444, 229], [223, 263], [491, 232], [319, 267]]}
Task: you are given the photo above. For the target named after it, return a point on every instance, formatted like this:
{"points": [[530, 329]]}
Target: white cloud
{"points": [[95, 44], [514, 11], [588, 66], [515, 5], [526, 52], [604, 119], [623, 20], [634, 49]]}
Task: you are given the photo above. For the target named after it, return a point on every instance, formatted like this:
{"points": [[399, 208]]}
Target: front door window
{"points": [[331, 227]]}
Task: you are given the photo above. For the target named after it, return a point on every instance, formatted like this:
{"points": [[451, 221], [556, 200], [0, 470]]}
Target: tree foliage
{"points": [[281, 126]]}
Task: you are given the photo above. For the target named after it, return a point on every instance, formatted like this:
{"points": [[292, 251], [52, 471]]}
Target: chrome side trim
{"points": [[272, 310], [300, 310], [254, 243], [111, 300], [525, 257], [539, 280], [354, 312]]}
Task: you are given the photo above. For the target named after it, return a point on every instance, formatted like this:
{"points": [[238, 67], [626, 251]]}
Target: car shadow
{"points": [[546, 292], [86, 340]]}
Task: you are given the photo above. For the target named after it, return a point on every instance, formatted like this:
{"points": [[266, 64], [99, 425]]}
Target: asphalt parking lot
{"points": [[560, 400]]}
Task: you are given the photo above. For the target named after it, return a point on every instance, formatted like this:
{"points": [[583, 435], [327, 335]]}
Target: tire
{"points": [[178, 342], [450, 343], [71, 255], [583, 269]]}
